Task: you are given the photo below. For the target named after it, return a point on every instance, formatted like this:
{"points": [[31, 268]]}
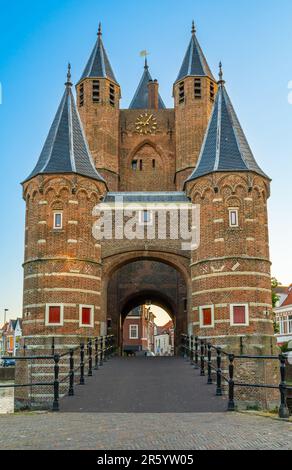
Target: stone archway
{"points": [[132, 283]]}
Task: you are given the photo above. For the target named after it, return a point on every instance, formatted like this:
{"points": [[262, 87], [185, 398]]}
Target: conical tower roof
{"points": [[225, 147], [66, 149], [99, 65], [140, 100], [194, 63]]}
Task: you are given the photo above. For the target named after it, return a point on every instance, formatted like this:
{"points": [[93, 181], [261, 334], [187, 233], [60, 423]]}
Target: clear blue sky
{"points": [[253, 38]]}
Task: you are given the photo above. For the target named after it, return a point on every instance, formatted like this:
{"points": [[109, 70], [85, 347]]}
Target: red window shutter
{"points": [[86, 314], [54, 314], [239, 315], [207, 316]]}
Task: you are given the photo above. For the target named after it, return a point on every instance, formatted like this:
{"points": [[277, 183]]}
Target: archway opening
{"points": [[139, 282], [148, 330]]}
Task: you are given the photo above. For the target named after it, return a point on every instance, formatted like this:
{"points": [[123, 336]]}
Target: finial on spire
{"points": [[146, 64], [69, 83], [99, 34], [221, 81], [193, 28]]}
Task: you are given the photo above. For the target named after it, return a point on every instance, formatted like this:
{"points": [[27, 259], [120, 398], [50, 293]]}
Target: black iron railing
{"points": [[95, 351], [201, 355]]}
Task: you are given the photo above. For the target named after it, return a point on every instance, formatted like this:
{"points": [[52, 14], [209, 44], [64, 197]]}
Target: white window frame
{"points": [[47, 323], [232, 315], [54, 224], [91, 325], [130, 331], [141, 217], [203, 307], [231, 210]]}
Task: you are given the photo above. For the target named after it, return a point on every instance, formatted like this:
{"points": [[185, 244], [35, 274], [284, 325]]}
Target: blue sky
{"points": [[252, 38]]}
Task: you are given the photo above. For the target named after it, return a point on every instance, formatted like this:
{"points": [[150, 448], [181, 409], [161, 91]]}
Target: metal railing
{"points": [[200, 353], [92, 356]]}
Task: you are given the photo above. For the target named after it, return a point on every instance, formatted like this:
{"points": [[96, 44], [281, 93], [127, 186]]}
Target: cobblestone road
{"points": [[160, 431]]}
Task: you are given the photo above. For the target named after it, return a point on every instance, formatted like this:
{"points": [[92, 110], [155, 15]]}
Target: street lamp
{"points": [[5, 311]]}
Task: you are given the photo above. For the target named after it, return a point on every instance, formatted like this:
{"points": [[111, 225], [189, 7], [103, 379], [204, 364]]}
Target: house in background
{"points": [[12, 333], [282, 293], [283, 314], [138, 330], [164, 340]]}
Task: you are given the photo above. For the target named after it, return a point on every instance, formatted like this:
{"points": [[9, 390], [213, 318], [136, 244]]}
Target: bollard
{"points": [[101, 351], [96, 365], [90, 358], [218, 374], [56, 382], [210, 381], [192, 351], [231, 404], [71, 374], [202, 358], [283, 410], [82, 381], [196, 353]]}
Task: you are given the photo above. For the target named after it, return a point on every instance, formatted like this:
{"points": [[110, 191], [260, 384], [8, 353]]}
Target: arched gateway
{"points": [[106, 223]]}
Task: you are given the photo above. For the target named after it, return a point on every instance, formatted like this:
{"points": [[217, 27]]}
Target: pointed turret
{"points": [[99, 65], [98, 100], [141, 98], [194, 63], [194, 94], [66, 149], [225, 147]]}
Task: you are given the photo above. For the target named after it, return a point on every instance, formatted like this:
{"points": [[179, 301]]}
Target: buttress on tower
{"points": [[195, 152]]}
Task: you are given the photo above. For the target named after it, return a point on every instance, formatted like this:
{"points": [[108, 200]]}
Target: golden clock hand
{"points": [[148, 120]]}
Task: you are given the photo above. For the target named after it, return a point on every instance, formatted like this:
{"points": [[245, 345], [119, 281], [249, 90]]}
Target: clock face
{"points": [[146, 124]]}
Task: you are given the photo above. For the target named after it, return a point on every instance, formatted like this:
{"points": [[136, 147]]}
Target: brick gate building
{"points": [[193, 153]]}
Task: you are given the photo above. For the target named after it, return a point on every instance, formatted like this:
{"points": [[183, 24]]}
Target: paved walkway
{"points": [[172, 431], [145, 385]]}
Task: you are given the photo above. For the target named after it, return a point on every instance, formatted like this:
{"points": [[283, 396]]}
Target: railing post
{"points": [[101, 351], [192, 351], [90, 358], [82, 381], [96, 365], [231, 404], [71, 373], [196, 352], [210, 381], [283, 410], [202, 358], [53, 346], [56, 382], [219, 374], [105, 349]]}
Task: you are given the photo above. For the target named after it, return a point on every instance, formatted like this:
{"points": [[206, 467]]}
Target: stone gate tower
{"points": [[195, 152]]}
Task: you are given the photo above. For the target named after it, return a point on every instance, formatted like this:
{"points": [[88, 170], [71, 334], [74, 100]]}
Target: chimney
{"points": [[153, 94]]}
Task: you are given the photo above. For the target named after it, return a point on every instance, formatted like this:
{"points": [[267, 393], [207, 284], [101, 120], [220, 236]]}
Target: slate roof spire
{"points": [[225, 147], [140, 100], [98, 65], [66, 149], [194, 63]]}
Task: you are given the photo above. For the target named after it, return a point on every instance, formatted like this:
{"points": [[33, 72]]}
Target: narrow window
{"points": [[54, 315], [58, 220], [81, 95], [233, 218], [141, 165], [134, 332], [207, 316], [146, 217], [86, 315], [109, 323], [153, 164], [112, 95], [239, 315], [212, 91], [185, 304], [181, 92], [197, 88], [96, 91], [134, 165]]}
